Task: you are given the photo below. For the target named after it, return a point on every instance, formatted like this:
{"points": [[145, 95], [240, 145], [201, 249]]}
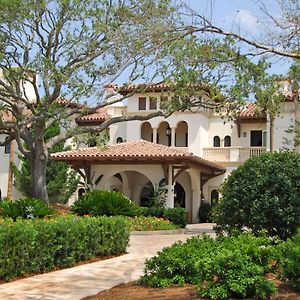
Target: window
{"points": [[256, 138], [142, 103], [119, 140], [227, 141], [7, 147], [214, 197], [153, 103], [217, 142]]}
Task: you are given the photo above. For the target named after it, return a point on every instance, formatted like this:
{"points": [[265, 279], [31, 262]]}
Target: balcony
{"points": [[231, 154]]}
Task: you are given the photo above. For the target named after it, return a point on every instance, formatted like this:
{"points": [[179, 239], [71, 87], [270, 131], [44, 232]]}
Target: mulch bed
{"points": [[132, 291]]}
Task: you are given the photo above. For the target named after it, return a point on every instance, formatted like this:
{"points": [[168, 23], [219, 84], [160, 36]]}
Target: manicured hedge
{"points": [[175, 215], [41, 245]]}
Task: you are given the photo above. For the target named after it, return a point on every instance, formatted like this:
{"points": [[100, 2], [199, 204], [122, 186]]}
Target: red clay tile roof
{"points": [[99, 116], [151, 87], [141, 150], [251, 112]]}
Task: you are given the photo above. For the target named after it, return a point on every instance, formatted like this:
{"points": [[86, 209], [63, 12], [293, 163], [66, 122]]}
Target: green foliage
{"points": [[141, 223], [225, 267], [101, 202], [264, 193], [28, 208], [175, 215], [42, 245], [291, 261], [204, 212]]}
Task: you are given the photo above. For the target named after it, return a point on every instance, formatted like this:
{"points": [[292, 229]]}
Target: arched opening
{"points": [[227, 141], [116, 183], [146, 197], [179, 195], [214, 197], [7, 147], [119, 140], [182, 134], [217, 141], [146, 132], [163, 136]]}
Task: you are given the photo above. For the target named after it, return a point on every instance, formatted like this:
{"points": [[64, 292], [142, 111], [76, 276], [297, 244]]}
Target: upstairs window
{"points": [[142, 103], [217, 142], [153, 103], [227, 141], [119, 140], [7, 147]]}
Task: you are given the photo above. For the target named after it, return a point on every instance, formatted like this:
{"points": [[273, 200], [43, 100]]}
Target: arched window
{"points": [[214, 197], [119, 140], [7, 147], [217, 142], [227, 141]]}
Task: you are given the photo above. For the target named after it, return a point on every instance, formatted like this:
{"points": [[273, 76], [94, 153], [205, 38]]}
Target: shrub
{"points": [[264, 193], [109, 203], [204, 212], [142, 223], [41, 245], [29, 208], [175, 215], [291, 261], [227, 267]]}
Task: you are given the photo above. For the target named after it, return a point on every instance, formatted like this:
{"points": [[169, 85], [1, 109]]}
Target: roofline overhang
{"points": [[78, 162]]}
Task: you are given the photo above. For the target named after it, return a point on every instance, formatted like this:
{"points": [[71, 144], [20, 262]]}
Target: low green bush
{"points": [[141, 223], [262, 194], [29, 246], [227, 267], [291, 261], [101, 202], [175, 215], [28, 208]]}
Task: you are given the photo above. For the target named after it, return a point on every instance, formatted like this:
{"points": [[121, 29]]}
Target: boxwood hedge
{"points": [[29, 246]]}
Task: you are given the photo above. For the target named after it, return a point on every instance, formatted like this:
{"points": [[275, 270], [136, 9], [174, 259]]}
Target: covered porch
{"points": [[135, 168]]}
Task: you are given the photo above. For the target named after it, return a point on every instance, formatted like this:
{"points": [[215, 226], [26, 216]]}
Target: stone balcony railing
{"points": [[231, 154]]}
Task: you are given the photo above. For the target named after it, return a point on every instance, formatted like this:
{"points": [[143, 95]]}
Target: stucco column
{"points": [[196, 200], [154, 132], [170, 187], [173, 131]]}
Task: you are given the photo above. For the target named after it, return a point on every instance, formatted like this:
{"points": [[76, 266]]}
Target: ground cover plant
{"points": [[141, 223], [175, 215], [264, 193], [233, 266], [34, 246], [102, 202], [28, 208]]}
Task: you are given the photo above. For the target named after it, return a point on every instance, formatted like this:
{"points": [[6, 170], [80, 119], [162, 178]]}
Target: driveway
{"points": [[89, 279]]}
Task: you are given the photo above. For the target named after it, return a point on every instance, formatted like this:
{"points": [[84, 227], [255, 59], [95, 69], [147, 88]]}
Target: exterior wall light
{"points": [[244, 134], [168, 131]]}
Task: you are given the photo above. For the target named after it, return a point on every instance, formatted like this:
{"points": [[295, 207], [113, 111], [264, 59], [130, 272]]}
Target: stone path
{"points": [[89, 279]]}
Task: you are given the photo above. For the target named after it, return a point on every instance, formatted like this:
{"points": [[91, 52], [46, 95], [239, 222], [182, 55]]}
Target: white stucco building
{"points": [[190, 152]]}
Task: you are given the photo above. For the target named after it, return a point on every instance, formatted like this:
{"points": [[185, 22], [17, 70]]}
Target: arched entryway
{"points": [[182, 134], [146, 132]]}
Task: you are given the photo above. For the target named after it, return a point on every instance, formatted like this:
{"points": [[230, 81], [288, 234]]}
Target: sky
{"points": [[242, 16]]}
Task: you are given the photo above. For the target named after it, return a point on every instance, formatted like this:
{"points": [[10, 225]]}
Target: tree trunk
{"points": [[38, 164], [10, 171]]}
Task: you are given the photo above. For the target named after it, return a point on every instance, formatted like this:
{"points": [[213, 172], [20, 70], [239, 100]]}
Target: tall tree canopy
{"points": [[54, 50]]}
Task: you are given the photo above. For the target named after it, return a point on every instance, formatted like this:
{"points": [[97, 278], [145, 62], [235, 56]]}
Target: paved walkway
{"points": [[89, 279]]}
